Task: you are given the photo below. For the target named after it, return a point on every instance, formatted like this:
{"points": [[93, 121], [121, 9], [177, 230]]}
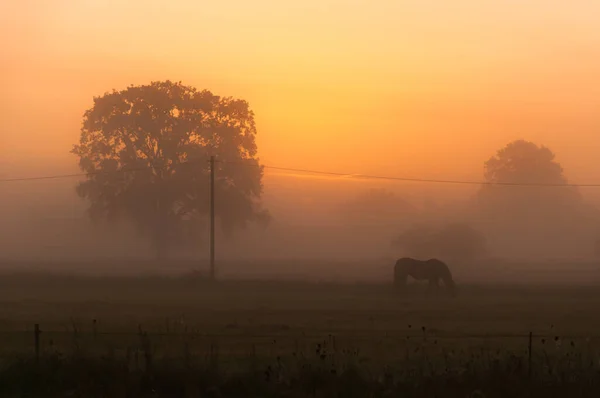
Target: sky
{"points": [[416, 88]]}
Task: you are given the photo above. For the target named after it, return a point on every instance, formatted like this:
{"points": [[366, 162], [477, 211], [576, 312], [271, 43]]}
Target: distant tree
{"points": [[523, 162], [455, 242], [167, 131]]}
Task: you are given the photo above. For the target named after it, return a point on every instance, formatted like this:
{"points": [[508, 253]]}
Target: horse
{"points": [[432, 270]]}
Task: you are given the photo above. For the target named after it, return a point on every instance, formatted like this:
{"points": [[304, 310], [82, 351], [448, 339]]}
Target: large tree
{"points": [[167, 131], [529, 167], [540, 215]]}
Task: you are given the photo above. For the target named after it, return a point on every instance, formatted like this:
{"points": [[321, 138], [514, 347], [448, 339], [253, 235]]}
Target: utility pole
{"points": [[212, 218]]}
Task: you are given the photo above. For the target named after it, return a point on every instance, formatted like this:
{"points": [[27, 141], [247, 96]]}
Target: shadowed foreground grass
{"points": [[272, 339], [323, 370]]}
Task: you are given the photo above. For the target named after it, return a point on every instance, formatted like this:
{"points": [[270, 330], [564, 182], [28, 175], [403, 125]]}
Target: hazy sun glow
{"points": [[421, 88]]}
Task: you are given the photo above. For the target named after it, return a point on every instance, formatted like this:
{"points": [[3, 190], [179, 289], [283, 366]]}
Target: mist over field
{"points": [[322, 228], [434, 98], [404, 198]]}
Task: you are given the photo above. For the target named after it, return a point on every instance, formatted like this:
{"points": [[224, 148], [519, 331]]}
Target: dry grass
{"points": [[176, 337]]}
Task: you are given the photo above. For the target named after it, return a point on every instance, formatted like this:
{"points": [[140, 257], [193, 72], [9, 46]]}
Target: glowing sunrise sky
{"points": [[414, 88]]}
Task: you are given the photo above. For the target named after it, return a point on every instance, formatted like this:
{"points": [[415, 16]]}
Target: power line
{"points": [[406, 179], [102, 172], [309, 171]]}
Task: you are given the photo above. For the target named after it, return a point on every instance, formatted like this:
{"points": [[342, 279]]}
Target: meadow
{"points": [[181, 336]]}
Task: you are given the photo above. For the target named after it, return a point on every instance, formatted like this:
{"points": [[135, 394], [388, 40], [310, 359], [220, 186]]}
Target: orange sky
{"points": [[411, 88]]}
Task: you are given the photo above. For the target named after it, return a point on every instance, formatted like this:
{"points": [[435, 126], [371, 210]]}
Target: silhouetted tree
{"points": [[167, 131], [533, 220], [455, 242], [523, 162]]}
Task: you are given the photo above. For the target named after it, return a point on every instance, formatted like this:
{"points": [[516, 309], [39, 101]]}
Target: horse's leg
{"points": [[433, 285], [400, 280], [401, 283]]}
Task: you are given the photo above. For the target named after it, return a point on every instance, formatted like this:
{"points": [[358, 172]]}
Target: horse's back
{"points": [[420, 269], [436, 263], [410, 266], [411, 262], [431, 269]]}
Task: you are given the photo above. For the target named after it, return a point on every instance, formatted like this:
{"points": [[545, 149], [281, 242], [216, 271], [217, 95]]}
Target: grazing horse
{"points": [[432, 270]]}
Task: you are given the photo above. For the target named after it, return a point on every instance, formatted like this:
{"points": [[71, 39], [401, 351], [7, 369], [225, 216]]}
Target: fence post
{"points": [[530, 351], [36, 335]]}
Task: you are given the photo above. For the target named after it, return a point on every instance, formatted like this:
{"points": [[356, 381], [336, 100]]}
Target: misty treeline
{"points": [[164, 133], [525, 207]]}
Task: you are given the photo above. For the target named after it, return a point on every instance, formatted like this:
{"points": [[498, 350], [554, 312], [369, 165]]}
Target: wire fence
{"points": [[389, 343], [527, 356]]}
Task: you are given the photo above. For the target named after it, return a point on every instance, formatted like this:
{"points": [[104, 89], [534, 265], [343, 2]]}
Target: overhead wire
{"points": [[99, 172], [408, 179], [308, 171]]}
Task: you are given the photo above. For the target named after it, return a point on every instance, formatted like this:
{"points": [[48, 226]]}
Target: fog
{"points": [[321, 227], [413, 93]]}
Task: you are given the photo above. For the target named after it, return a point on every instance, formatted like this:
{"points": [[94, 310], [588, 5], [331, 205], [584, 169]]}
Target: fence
{"points": [[243, 345]]}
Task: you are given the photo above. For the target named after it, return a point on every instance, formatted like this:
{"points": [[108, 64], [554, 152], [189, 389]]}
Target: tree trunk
{"points": [[161, 242]]}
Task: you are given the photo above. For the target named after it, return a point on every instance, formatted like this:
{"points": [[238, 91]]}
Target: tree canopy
{"points": [[166, 132], [523, 162]]}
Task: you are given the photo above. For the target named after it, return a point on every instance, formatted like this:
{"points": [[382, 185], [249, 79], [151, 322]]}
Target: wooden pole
{"points": [[212, 218], [530, 351], [36, 333]]}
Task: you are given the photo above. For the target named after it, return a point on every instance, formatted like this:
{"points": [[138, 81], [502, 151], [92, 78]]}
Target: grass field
{"points": [[477, 341]]}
